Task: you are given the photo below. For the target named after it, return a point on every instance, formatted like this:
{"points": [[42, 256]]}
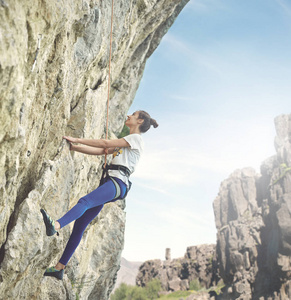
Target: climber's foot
{"points": [[49, 223], [53, 272]]}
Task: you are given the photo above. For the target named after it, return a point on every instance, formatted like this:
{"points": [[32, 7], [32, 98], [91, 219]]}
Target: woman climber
{"points": [[126, 153]]}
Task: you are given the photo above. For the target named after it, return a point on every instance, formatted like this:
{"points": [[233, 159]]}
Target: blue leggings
{"points": [[85, 211]]}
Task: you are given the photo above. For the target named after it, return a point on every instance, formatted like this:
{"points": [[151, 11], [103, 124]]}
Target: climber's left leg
{"points": [[77, 233], [75, 238]]}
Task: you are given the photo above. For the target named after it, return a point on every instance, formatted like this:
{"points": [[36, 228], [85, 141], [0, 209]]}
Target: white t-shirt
{"points": [[128, 156]]}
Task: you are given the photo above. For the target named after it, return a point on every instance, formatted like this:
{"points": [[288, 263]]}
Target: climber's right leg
{"points": [[104, 193]]}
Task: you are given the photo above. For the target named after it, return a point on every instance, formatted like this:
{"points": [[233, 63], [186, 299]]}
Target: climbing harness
{"points": [[122, 169], [105, 176]]}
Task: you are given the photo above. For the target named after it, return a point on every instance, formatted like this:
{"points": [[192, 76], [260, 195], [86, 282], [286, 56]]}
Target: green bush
{"points": [[195, 285], [130, 292], [121, 292], [136, 293], [152, 288], [176, 295]]}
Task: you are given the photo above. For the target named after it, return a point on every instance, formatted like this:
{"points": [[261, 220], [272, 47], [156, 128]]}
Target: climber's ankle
{"points": [[59, 266], [57, 226]]}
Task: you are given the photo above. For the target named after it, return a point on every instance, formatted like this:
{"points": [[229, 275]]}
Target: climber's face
{"points": [[133, 120]]}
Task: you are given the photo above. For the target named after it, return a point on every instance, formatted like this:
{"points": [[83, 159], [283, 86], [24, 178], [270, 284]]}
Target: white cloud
{"points": [[205, 6], [219, 148], [194, 57], [286, 7], [177, 226], [198, 6], [153, 188], [184, 218], [181, 98], [166, 166]]}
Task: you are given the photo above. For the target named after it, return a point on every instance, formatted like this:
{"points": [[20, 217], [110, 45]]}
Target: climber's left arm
{"points": [[91, 150], [99, 143]]}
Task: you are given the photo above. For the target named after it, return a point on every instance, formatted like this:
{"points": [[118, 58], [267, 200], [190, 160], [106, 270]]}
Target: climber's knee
{"points": [[83, 202]]}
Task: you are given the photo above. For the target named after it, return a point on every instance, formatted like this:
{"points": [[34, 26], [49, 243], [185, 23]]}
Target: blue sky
{"points": [[215, 84]]}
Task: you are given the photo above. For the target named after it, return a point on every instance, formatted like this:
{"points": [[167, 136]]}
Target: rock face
{"points": [[54, 58], [253, 220], [176, 275]]}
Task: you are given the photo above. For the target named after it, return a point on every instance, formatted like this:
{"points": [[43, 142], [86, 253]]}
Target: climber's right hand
{"points": [[70, 139]]}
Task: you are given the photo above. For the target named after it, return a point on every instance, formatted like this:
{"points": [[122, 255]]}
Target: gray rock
{"points": [[175, 284], [54, 60], [199, 263], [253, 220], [168, 254]]}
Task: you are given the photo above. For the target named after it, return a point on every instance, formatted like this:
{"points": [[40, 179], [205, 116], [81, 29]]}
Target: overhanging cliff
{"points": [[54, 59]]}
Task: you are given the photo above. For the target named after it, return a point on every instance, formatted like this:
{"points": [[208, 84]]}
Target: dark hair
{"points": [[148, 121]]}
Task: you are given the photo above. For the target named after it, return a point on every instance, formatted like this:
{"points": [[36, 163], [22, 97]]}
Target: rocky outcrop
{"points": [[199, 264], [253, 220], [54, 59]]}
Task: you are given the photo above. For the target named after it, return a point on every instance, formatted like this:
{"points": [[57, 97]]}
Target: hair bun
{"points": [[154, 123], [147, 121]]}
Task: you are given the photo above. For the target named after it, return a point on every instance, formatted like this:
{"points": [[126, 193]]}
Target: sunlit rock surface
{"points": [[54, 58], [253, 220]]}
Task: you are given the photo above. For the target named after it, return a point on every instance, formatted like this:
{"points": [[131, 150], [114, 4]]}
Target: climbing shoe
{"points": [[49, 223], [53, 272]]}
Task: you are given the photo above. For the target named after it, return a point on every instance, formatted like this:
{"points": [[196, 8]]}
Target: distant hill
{"points": [[127, 273]]}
